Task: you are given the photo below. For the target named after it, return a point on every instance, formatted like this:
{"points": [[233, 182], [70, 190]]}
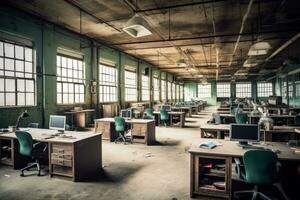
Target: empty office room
{"points": [[149, 100]]}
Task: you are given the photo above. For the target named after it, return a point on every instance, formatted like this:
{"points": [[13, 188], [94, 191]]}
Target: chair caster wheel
{"points": [[22, 175], [39, 174]]}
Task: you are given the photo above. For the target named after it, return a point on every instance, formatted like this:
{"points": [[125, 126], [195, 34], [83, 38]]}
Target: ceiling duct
{"points": [[137, 27], [259, 48], [181, 63]]}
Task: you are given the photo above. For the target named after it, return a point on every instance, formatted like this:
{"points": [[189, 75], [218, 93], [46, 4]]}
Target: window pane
{"points": [[21, 85], [10, 99], [1, 85], [1, 48], [9, 50], [28, 54], [29, 99], [1, 99], [21, 99], [19, 52], [29, 86], [9, 67], [10, 85]]}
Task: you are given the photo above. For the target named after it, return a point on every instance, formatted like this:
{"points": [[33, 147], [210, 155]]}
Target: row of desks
{"points": [[220, 129]]}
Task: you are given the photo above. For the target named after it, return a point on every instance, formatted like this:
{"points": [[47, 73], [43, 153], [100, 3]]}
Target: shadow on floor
{"points": [[167, 143], [114, 174]]}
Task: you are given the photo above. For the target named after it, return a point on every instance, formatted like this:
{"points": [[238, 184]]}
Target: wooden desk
{"points": [[78, 117], [67, 157], [223, 155], [187, 109], [142, 130], [223, 129], [171, 114]]}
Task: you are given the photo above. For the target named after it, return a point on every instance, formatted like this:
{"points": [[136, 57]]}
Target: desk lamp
{"points": [[21, 116]]}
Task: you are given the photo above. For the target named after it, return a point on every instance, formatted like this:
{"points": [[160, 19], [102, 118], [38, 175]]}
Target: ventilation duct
{"points": [[137, 27]]}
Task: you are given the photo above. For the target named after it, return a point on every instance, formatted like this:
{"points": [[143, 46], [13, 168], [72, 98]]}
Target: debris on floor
{"points": [[148, 155], [7, 175]]}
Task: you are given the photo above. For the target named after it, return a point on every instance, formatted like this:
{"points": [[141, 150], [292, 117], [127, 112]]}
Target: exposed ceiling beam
{"points": [[76, 5], [296, 29], [286, 44]]}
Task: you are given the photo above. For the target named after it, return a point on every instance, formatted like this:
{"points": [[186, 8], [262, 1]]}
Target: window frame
{"points": [[81, 82], [163, 83], [156, 91], [130, 86], [109, 85], [264, 89], [14, 74], [145, 90], [206, 90], [243, 90], [225, 90]]}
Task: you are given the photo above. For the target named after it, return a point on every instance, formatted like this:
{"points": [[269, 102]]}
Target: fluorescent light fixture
{"points": [[250, 62], [137, 27], [259, 48], [181, 63]]}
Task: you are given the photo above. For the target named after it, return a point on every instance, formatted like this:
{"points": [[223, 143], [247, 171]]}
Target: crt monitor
{"points": [[57, 122], [126, 113], [166, 107], [244, 133]]}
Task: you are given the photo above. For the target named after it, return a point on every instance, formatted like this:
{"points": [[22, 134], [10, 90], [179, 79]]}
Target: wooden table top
{"points": [[79, 111], [231, 149], [109, 119], [258, 116], [170, 112], [39, 134]]}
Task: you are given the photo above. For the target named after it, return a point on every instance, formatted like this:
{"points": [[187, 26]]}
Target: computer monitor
{"points": [[244, 133], [166, 107], [57, 122], [126, 113]]}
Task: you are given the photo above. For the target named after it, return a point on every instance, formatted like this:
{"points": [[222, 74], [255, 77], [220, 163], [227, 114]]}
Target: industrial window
{"points": [[181, 92], [108, 80], [284, 89], [17, 75], [145, 88], [156, 89], [243, 90], [177, 92], [163, 89], [173, 91], [70, 79], [223, 89], [264, 89], [130, 86], [297, 88], [169, 91], [204, 91]]}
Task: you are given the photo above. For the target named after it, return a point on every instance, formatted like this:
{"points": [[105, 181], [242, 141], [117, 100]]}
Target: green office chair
{"points": [[149, 113], [297, 120], [164, 117], [260, 168], [241, 118], [120, 129], [34, 150]]}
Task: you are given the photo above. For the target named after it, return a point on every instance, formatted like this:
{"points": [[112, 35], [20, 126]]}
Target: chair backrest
{"points": [[33, 125], [119, 124], [260, 167], [217, 118], [164, 115], [149, 112], [297, 120], [241, 118], [26, 142]]}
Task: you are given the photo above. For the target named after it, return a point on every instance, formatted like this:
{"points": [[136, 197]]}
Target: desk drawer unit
{"points": [[139, 129], [61, 160], [104, 128]]}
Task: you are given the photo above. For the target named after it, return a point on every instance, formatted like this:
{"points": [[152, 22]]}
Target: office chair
{"points": [[120, 129], [217, 118], [164, 117], [149, 113], [260, 168], [241, 118], [297, 120], [33, 125], [34, 150]]}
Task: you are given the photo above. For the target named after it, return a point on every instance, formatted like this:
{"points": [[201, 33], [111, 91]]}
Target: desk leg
{"points": [[192, 175]]}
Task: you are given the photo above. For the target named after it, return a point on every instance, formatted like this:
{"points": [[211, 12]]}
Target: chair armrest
{"points": [[240, 170], [40, 146]]}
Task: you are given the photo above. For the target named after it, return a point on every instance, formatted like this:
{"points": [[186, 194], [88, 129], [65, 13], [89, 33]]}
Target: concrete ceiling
{"points": [[203, 32]]}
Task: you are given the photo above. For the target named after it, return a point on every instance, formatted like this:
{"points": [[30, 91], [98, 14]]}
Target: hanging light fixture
{"points": [[181, 63], [259, 48], [137, 27]]}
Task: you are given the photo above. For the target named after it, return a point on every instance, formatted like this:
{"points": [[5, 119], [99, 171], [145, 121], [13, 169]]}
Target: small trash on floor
{"points": [[7, 175], [148, 155], [103, 166]]}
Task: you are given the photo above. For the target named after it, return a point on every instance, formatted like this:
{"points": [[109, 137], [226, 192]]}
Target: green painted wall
{"points": [[46, 38]]}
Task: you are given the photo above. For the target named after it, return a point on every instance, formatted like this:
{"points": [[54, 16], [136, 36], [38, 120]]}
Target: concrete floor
{"points": [[128, 172]]}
